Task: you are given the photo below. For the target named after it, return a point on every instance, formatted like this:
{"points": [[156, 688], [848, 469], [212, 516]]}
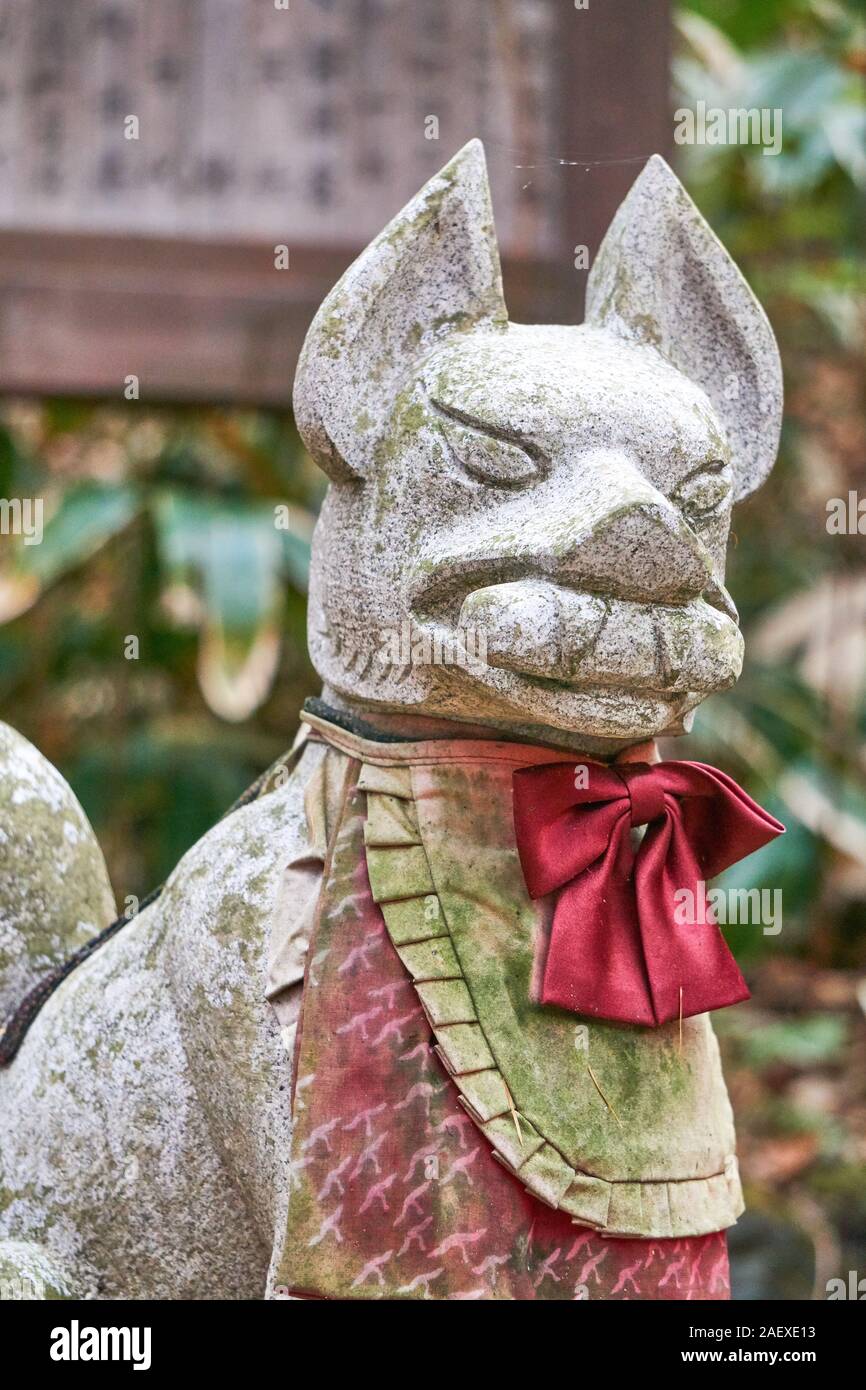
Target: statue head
{"points": [[526, 526]]}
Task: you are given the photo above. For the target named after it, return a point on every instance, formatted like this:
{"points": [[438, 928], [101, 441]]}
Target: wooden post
{"points": [[614, 110]]}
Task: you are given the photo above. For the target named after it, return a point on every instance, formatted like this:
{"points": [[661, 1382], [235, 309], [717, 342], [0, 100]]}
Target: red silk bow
{"points": [[619, 948]]}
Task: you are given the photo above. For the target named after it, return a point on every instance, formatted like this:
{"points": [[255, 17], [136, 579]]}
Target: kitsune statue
{"points": [[418, 1021]]}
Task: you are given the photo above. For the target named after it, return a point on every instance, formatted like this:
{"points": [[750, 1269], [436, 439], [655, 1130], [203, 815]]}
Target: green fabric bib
{"points": [[629, 1130]]}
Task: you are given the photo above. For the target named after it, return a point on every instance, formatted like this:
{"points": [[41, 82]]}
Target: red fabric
{"points": [[617, 950]]}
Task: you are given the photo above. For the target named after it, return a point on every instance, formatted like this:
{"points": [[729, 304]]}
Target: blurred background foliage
{"points": [[153, 646], [161, 526]]}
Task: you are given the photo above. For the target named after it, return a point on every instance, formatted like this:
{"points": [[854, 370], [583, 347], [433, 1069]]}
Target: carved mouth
{"points": [[559, 639]]}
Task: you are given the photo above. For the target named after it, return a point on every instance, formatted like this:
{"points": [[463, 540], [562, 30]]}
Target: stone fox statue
{"points": [[418, 1021]]}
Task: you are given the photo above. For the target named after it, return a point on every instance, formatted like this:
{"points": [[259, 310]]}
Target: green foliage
{"points": [[793, 728], [153, 644], [800, 1042]]}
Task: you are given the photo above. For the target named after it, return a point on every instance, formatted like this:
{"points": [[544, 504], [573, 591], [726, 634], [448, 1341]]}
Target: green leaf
{"points": [[87, 516], [233, 560], [241, 561], [809, 1040]]}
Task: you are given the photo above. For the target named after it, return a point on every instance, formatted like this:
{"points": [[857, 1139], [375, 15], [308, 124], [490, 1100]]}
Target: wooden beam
{"points": [[192, 320]]}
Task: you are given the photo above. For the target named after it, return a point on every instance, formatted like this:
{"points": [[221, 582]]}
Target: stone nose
{"points": [[637, 544], [596, 525]]}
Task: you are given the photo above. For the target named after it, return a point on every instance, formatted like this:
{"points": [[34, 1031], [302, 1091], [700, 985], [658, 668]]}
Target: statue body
{"points": [[524, 539]]}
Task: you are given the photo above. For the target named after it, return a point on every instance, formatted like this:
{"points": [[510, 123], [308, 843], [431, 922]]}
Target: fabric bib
{"points": [[452, 1136]]}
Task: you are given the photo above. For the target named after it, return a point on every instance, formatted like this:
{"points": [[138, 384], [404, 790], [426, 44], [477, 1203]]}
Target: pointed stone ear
{"points": [[662, 276], [432, 271]]}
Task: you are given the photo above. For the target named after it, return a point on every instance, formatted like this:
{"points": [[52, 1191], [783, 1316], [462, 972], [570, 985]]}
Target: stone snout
{"points": [[544, 630], [597, 583]]}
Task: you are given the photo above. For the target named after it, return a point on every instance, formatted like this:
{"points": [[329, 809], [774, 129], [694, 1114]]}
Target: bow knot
{"points": [[645, 793], [620, 946]]}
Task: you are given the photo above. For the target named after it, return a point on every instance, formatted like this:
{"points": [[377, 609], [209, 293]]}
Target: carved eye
{"points": [[490, 459], [705, 493], [487, 455]]}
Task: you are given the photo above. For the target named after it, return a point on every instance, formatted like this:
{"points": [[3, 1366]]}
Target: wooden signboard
{"points": [[154, 154]]}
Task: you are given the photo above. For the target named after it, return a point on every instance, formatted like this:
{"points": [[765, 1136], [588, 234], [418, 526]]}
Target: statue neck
{"points": [[410, 726]]}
